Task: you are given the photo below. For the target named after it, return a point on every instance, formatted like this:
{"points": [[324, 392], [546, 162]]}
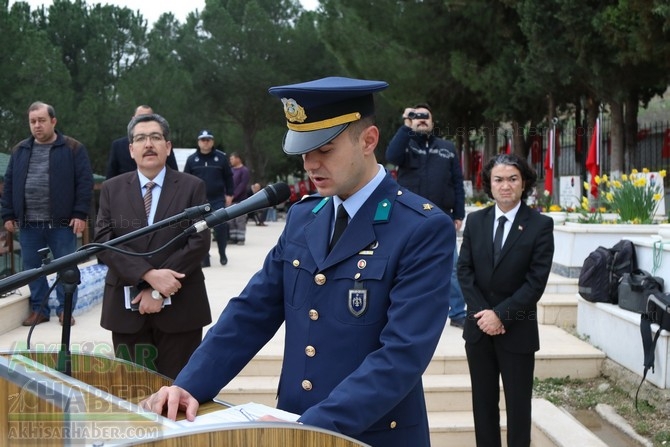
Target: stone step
{"points": [[457, 428], [15, 307], [446, 382], [558, 309], [561, 284], [13, 310]]}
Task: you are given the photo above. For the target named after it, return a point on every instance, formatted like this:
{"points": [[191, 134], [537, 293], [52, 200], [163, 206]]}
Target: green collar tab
{"points": [[383, 211], [320, 205]]}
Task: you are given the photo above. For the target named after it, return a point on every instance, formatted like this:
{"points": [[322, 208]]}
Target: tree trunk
{"points": [[490, 142], [630, 132], [518, 144], [617, 142]]}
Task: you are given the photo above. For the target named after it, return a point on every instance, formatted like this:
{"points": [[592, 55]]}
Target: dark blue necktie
{"points": [[341, 222]]}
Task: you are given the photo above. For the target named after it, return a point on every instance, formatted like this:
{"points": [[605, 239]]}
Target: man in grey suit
{"points": [[503, 270], [155, 306]]}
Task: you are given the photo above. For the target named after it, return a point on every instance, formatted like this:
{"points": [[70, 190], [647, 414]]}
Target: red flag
{"points": [[476, 162], [536, 149], [665, 153], [643, 134], [302, 187], [593, 159], [549, 164], [509, 146]]}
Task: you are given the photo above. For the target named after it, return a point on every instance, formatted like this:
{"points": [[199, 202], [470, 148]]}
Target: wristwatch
{"points": [[155, 294]]}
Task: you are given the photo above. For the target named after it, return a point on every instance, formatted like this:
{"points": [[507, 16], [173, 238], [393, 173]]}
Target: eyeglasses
{"points": [[142, 138]]}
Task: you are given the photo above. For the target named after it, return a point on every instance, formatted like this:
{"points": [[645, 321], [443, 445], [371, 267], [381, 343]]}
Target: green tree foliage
{"points": [[98, 45], [31, 70], [237, 51]]}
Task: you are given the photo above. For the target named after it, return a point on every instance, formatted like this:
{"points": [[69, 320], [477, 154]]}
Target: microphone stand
{"points": [[68, 272]]}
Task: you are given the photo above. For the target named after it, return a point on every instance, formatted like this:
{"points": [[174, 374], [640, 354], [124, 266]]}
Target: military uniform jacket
{"points": [[362, 322]]}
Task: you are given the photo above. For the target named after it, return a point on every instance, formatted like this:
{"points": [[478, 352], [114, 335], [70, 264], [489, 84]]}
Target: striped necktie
{"points": [[147, 197]]}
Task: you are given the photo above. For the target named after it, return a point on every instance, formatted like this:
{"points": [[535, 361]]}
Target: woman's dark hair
{"points": [[528, 174]]}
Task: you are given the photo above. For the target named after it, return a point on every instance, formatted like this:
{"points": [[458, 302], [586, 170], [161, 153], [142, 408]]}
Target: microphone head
{"points": [[277, 193]]}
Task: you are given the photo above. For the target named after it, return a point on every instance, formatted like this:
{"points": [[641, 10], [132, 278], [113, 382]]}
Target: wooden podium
{"points": [[96, 406]]}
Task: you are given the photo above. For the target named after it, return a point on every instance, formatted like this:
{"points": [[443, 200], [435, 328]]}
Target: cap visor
{"points": [[297, 143]]}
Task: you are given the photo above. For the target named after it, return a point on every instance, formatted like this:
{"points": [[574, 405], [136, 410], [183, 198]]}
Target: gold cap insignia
{"points": [[427, 206], [294, 112]]}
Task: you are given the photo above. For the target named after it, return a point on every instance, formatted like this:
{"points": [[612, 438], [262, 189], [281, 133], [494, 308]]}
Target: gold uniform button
{"points": [[313, 314], [296, 263], [394, 424], [307, 385], [310, 351], [320, 279]]}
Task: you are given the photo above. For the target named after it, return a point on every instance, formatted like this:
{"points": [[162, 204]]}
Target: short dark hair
{"points": [[39, 104], [528, 174], [356, 127], [423, 105], [165, 126]]}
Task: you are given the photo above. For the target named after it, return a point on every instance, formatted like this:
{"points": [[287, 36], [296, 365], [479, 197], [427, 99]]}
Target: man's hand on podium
{"points": [[175, 399]]}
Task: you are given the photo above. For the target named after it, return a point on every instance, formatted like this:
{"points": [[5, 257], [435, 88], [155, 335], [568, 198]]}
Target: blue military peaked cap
{"points": [[318, 111]]}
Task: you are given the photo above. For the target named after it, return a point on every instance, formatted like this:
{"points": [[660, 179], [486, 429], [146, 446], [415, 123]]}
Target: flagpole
{"points": [[554, 121], [600, 142]]}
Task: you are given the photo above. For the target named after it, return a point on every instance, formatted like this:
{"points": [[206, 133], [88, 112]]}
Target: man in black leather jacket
{"points": [[429, 166]]}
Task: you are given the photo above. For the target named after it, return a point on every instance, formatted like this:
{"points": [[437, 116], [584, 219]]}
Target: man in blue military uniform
{"points": [[364, 312]]}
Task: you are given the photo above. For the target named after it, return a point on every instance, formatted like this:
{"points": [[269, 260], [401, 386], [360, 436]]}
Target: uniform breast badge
{"points": [[358, 300]]}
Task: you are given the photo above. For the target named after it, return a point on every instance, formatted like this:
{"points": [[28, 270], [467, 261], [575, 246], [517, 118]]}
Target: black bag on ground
{"points": [[658, 312], [603, 269], [634, 289]]}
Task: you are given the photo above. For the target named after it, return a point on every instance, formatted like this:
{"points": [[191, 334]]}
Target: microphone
{"points": [[196, 211], [271, 195]]}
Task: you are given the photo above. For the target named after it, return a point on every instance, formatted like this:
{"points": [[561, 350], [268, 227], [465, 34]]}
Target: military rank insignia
{"points": [[358, 302]]}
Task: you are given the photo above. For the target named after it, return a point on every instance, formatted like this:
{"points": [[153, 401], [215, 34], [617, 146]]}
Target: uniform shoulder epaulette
{"points": [[416, 202]]}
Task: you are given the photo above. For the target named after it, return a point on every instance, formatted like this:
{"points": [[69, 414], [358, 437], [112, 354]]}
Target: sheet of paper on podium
{"points": [[248, 412]]}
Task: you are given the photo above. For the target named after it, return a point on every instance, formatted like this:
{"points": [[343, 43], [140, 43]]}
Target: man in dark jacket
{"points": [[120, 160], [47, 194], [212, 166], [429, 166]]}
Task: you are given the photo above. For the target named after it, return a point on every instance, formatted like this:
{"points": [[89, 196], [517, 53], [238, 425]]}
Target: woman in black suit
{"points": [[502, 285]]}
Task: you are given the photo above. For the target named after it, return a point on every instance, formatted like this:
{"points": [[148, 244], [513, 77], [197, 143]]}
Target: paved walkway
{"points": [[223, 283]]}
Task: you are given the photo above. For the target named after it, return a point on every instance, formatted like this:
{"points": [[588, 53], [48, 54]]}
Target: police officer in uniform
{"points": [[363, 294]]}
